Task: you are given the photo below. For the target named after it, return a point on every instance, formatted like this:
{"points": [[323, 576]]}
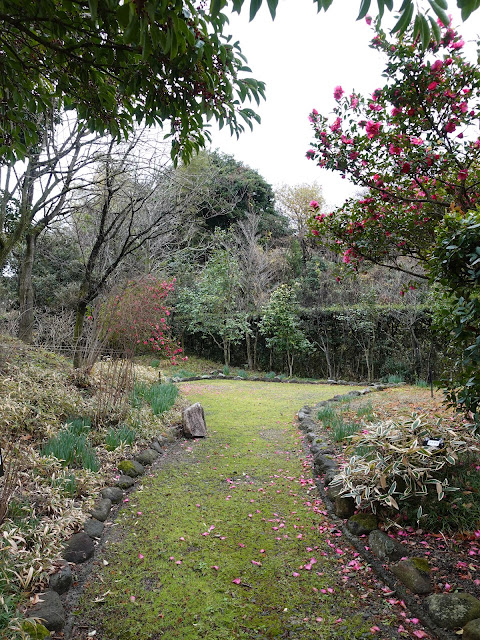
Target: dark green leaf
{"points": [[468, 7], [93, 5], [416, 27], [440, 12], [364, 7], [404, 20], [254, 7], [272, 5], [424, 32], [215, 7], [435, 29]]}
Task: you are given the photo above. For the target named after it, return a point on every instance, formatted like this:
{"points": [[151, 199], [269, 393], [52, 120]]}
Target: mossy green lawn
{"points": [[226, 539]]}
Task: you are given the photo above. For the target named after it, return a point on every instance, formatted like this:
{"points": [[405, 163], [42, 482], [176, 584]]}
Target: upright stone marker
{"points": [[193, 418]]}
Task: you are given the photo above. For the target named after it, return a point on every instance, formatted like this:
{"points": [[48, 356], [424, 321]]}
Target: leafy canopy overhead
{"points": [[407, 11], [120, 62]]}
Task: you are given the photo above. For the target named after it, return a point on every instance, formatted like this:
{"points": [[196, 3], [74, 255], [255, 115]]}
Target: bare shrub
{"points": [[54, 330], [114, 379]]}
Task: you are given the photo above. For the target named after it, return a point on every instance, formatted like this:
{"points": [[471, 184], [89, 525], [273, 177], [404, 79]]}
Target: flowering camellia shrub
{"points": [[137, 318], [412, 144]]}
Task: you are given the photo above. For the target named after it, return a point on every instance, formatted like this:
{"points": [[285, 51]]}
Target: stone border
{"points": [[369, 387], [341, 511]]}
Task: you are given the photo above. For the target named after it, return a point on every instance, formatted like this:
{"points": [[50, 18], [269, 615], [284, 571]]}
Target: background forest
{"points": [[103, 215]]}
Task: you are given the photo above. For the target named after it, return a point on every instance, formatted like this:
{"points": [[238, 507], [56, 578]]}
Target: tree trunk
{"points": [[78, 356], [225, 352], [417, 357], [367, 360], [248, 343], [325, 347], [25, 290]]}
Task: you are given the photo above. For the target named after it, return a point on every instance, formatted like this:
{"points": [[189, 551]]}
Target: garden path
{"points": [[225, 538]]}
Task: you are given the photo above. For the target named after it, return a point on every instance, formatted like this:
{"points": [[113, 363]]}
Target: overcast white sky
{"points": [[302, 56]]}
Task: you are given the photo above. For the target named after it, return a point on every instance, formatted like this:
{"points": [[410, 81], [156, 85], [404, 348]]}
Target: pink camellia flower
{"points": [[450, 126], [437, 65], [310, 154], [353, 155], [336, 125], [314, 204], [395, 111], [372, 129], [368, 20], [406, 167], [353, 101], [394, 150], [338, 92], [432, 86], [462, 175], [458, 45]]}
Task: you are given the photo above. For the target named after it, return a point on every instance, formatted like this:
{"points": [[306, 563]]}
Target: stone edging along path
{"points": [[81, 546]]}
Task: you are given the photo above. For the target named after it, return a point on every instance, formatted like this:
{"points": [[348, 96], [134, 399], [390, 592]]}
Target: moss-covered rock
{"points": [[384, 547], [414, 573], [131, 468], [471, 631], [453, 610], [421, 564], [125, 482], [146, 457], [36, 631], [361, 524]]}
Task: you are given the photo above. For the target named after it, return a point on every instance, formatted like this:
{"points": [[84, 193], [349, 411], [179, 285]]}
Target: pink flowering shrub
{"points": [[137, 318], [413, 144]]}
